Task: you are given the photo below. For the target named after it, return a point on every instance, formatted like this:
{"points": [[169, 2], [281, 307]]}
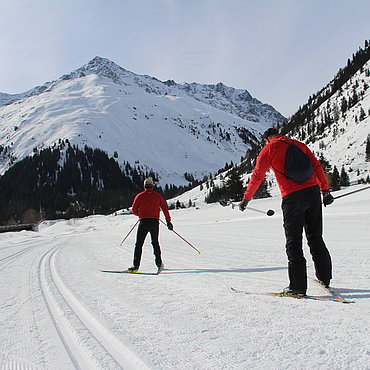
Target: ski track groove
{"points": [[12, 257], [9, 362], [88, 344]]}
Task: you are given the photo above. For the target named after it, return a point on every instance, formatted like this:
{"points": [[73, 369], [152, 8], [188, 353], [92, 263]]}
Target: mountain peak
{"points": [[228, 91], [100, 62], [102, 67]]}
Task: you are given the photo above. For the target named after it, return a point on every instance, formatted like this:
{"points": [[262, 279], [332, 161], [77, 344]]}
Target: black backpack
{"points": [[298, 166]]}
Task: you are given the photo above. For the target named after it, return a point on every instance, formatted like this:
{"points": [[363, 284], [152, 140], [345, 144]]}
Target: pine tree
{"points": [[344, 178], [362, 114], [234, 185], [262, 191], [216, 194], [335, 180], [368, 149], [324, 163]]}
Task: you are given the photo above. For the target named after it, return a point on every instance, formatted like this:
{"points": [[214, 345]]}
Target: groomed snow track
{"points": [[87, 342]]}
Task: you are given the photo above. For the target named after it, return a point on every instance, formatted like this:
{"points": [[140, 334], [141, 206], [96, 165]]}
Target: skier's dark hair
{"points": [[270, 131]]}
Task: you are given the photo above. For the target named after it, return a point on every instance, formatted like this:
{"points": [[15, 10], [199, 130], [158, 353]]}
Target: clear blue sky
{"points": [[281, 51]]}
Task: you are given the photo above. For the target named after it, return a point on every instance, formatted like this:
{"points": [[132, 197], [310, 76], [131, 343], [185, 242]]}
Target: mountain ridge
{"points": [[107, 68], [103, 105]]}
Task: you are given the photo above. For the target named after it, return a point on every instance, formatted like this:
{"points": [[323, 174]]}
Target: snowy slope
{"points": [[58, 311], [344, 142], [164, 126]]}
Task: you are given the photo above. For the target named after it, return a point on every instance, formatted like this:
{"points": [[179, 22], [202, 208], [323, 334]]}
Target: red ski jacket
{"points": [[273, 156], [148, 204]]}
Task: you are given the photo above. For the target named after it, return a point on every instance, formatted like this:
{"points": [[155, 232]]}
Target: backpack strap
{"points": [[285, 142], [299, 158]]}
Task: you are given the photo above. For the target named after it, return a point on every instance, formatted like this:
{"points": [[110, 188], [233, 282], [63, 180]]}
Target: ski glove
{"points": [[327, 198], [169, 225], [243, 205]]}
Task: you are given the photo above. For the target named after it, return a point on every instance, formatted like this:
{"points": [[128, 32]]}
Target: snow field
{"points": [[60, 311]]}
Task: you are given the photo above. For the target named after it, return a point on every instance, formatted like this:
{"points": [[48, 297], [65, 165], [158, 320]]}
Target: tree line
{"points": [[65, 181], [232, 186]]}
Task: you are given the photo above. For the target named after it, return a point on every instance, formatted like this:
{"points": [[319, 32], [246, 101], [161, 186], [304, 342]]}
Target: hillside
{"points": [[334, 123]]}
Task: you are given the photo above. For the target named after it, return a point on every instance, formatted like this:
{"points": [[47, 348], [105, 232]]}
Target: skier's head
{"points": [[148, 184], [270, 133]]}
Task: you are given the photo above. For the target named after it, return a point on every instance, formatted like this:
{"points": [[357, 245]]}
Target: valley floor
{"points": [[59, 311]]}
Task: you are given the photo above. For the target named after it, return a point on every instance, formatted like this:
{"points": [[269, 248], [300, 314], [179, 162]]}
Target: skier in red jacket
{"points": [[301, 208], [147, 206]]}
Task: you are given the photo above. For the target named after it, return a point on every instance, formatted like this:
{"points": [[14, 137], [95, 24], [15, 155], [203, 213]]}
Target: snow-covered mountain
{"points": [[168, 127]]}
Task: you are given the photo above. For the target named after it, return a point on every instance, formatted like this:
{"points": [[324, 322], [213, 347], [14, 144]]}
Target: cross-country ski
{"points": [[131, 272], [331, 291], [331, 298]]}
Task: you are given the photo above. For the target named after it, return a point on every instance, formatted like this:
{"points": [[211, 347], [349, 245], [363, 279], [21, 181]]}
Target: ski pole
{"points": [[270, 212], [181, 237], [351, 192], [133, 227]]}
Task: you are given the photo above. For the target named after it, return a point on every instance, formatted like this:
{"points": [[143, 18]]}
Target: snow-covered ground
{"points": [[59, 311]]}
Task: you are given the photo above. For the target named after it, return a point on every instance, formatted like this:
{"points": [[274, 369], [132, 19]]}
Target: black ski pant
{"points": [[147, 225], [302, 210]]}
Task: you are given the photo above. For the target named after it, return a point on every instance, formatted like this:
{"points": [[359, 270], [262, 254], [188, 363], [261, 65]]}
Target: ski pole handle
{"points": [[258, 210], [270, 212], [182, 238]]}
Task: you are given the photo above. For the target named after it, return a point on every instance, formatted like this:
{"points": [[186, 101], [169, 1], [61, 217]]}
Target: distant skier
{"points": [[300, 178], [147, 206]]}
